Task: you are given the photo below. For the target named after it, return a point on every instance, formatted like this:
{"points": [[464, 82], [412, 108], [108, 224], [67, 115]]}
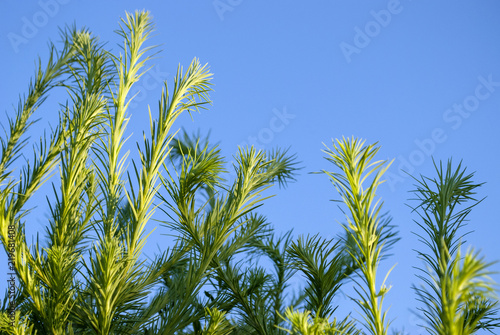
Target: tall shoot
{"points": [[357, 183], [456, 293]]}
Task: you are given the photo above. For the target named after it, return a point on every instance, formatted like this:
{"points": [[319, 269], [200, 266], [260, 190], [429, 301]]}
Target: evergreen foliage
{"points": [[89, 276]]}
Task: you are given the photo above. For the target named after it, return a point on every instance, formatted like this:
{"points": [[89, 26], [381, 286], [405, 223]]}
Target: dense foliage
{"points": [[88, 276]]}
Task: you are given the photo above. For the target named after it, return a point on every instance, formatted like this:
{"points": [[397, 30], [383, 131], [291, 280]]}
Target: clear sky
{"points": [[420, 77]]}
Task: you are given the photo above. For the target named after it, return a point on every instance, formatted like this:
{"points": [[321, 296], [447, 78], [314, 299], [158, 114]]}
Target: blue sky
{"points": [[420, 77]]}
